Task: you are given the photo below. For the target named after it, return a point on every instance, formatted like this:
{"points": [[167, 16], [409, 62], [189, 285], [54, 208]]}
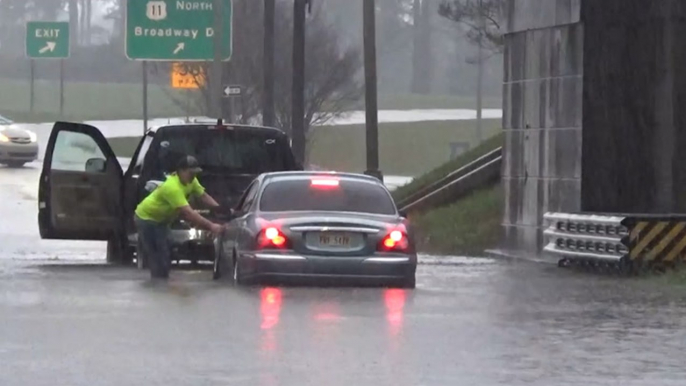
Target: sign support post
{"points": [[32, 97], [145, 97], [61, 87]]}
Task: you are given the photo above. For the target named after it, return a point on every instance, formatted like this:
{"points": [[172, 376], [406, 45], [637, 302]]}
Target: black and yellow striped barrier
{"points": [[622, 241], [655, 240]]}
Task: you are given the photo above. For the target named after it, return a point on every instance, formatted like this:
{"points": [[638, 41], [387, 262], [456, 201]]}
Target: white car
{"points": [[17, 146]]}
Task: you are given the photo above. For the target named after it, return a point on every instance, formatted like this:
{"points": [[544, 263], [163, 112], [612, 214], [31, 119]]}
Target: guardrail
{"points": [[476, 174], [628, 241], [451, 177]]}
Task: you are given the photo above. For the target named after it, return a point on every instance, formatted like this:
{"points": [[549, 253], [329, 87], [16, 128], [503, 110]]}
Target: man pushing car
{"points": [[162, 207]]}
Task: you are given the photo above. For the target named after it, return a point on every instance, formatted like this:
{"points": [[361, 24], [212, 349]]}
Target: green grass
{"points": [[468, 227], [105, 101], [405, 148], [85, 101], [444, 169]]}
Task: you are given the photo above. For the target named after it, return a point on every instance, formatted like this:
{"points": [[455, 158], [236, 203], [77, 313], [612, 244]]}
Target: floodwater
{"points": [[68, 319]]}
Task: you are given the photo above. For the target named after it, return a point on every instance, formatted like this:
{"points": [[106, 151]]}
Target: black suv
{"points": [[84, 194]]}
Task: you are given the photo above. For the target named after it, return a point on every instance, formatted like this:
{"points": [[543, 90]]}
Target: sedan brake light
{"points": [[395, 240], [271, 237], [325, 183]]}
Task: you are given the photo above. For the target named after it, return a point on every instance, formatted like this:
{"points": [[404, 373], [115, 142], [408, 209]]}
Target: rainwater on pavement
{"points": [[66, 318]]}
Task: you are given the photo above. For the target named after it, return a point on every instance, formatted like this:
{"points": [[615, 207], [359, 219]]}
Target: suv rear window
{"points": [[313, 194], [223, 150]]}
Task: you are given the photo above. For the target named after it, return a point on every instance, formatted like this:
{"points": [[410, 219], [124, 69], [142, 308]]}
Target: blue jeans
{"points": [[153, 243]]}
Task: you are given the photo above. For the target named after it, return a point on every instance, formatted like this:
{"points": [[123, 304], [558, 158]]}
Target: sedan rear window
{"points": [[326, 194]]}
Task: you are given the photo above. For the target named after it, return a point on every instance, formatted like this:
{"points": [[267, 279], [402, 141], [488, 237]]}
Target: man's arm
{"points": [[209, 201], [177, 199], [196, 219]]}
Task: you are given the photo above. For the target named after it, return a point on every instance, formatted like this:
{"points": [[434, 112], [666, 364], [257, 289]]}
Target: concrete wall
{"points": [[634, 115], [602, 78], [542, 117]]}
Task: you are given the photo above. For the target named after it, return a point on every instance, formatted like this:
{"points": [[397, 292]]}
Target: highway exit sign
{"points": [[47, 40], [175, 30]]}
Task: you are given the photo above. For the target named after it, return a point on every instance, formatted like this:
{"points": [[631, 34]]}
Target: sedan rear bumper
{"points": [[295, 266]]}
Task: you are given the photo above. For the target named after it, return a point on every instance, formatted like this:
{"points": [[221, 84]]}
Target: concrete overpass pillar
{"points": [[542, 117], [603, 79]]}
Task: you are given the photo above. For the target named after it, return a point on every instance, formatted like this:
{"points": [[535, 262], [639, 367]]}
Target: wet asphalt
{"points": [[66, 318]]}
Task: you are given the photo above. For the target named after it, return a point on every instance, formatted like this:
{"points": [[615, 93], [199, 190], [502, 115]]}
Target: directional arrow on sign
{"points": [[49, 46], [232, 91], [179, 47]]}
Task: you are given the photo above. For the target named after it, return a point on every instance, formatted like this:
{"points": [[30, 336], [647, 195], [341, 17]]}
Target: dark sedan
{"points": [[317, 227]]}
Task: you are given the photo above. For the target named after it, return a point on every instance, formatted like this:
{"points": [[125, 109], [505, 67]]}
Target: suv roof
{"points": [[263, 129]]}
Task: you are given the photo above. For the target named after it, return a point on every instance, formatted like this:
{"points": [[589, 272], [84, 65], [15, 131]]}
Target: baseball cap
{"points": [[189, 163]]}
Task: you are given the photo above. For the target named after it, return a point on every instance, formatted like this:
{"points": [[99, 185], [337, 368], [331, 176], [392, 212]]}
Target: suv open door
{"points": [[80, 189]]}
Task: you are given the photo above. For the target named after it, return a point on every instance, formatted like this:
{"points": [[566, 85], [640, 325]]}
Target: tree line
{"points": [[424, 45]]}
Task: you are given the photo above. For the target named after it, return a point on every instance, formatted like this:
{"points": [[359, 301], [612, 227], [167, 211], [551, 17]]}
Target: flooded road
{"points": [[68, 319]]}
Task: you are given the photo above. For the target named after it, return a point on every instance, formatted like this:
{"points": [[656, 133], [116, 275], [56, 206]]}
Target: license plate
{"points": [[334, 240]]}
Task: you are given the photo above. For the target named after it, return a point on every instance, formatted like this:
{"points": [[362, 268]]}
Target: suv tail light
{"points": [[271, 238], [396, 240]]}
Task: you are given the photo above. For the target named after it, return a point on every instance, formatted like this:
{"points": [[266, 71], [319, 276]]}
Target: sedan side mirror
{"points": [[152, 185], [96, 165]]}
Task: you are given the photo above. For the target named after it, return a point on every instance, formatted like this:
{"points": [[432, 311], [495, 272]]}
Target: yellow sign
{"points": [[188, 76]]}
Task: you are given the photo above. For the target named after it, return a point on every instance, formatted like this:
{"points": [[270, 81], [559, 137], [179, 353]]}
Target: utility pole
{"points": [[480, 76], [268, 115], [370, 80], [216, 73], [298, 97]]}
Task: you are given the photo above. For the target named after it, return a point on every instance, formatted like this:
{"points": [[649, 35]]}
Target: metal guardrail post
{"points": [[588, 238]]}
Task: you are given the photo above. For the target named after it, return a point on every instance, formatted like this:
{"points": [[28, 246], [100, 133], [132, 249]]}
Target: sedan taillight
{"points": [[396, 240], [270, 238]]}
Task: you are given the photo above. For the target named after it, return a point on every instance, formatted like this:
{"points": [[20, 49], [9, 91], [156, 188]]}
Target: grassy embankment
{"points": [[467, 227], [405, 148], [106, 101]]}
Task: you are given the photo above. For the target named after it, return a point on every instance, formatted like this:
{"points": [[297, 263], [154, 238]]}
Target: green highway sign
{"points": [[175, 30], [47, 40]]}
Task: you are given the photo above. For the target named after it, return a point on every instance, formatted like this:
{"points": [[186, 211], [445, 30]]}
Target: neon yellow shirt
{"points": [[163, 203]]}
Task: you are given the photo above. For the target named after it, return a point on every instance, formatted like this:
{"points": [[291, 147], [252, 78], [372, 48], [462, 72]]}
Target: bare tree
{"points": [[421, 51], [332, 73], [74, 22], [482, 18]]}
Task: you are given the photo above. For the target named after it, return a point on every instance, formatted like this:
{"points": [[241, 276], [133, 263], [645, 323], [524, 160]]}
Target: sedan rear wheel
{"points": [[236, 271], [409, 282], [217, 268], [15, 164], [238, 276]]}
